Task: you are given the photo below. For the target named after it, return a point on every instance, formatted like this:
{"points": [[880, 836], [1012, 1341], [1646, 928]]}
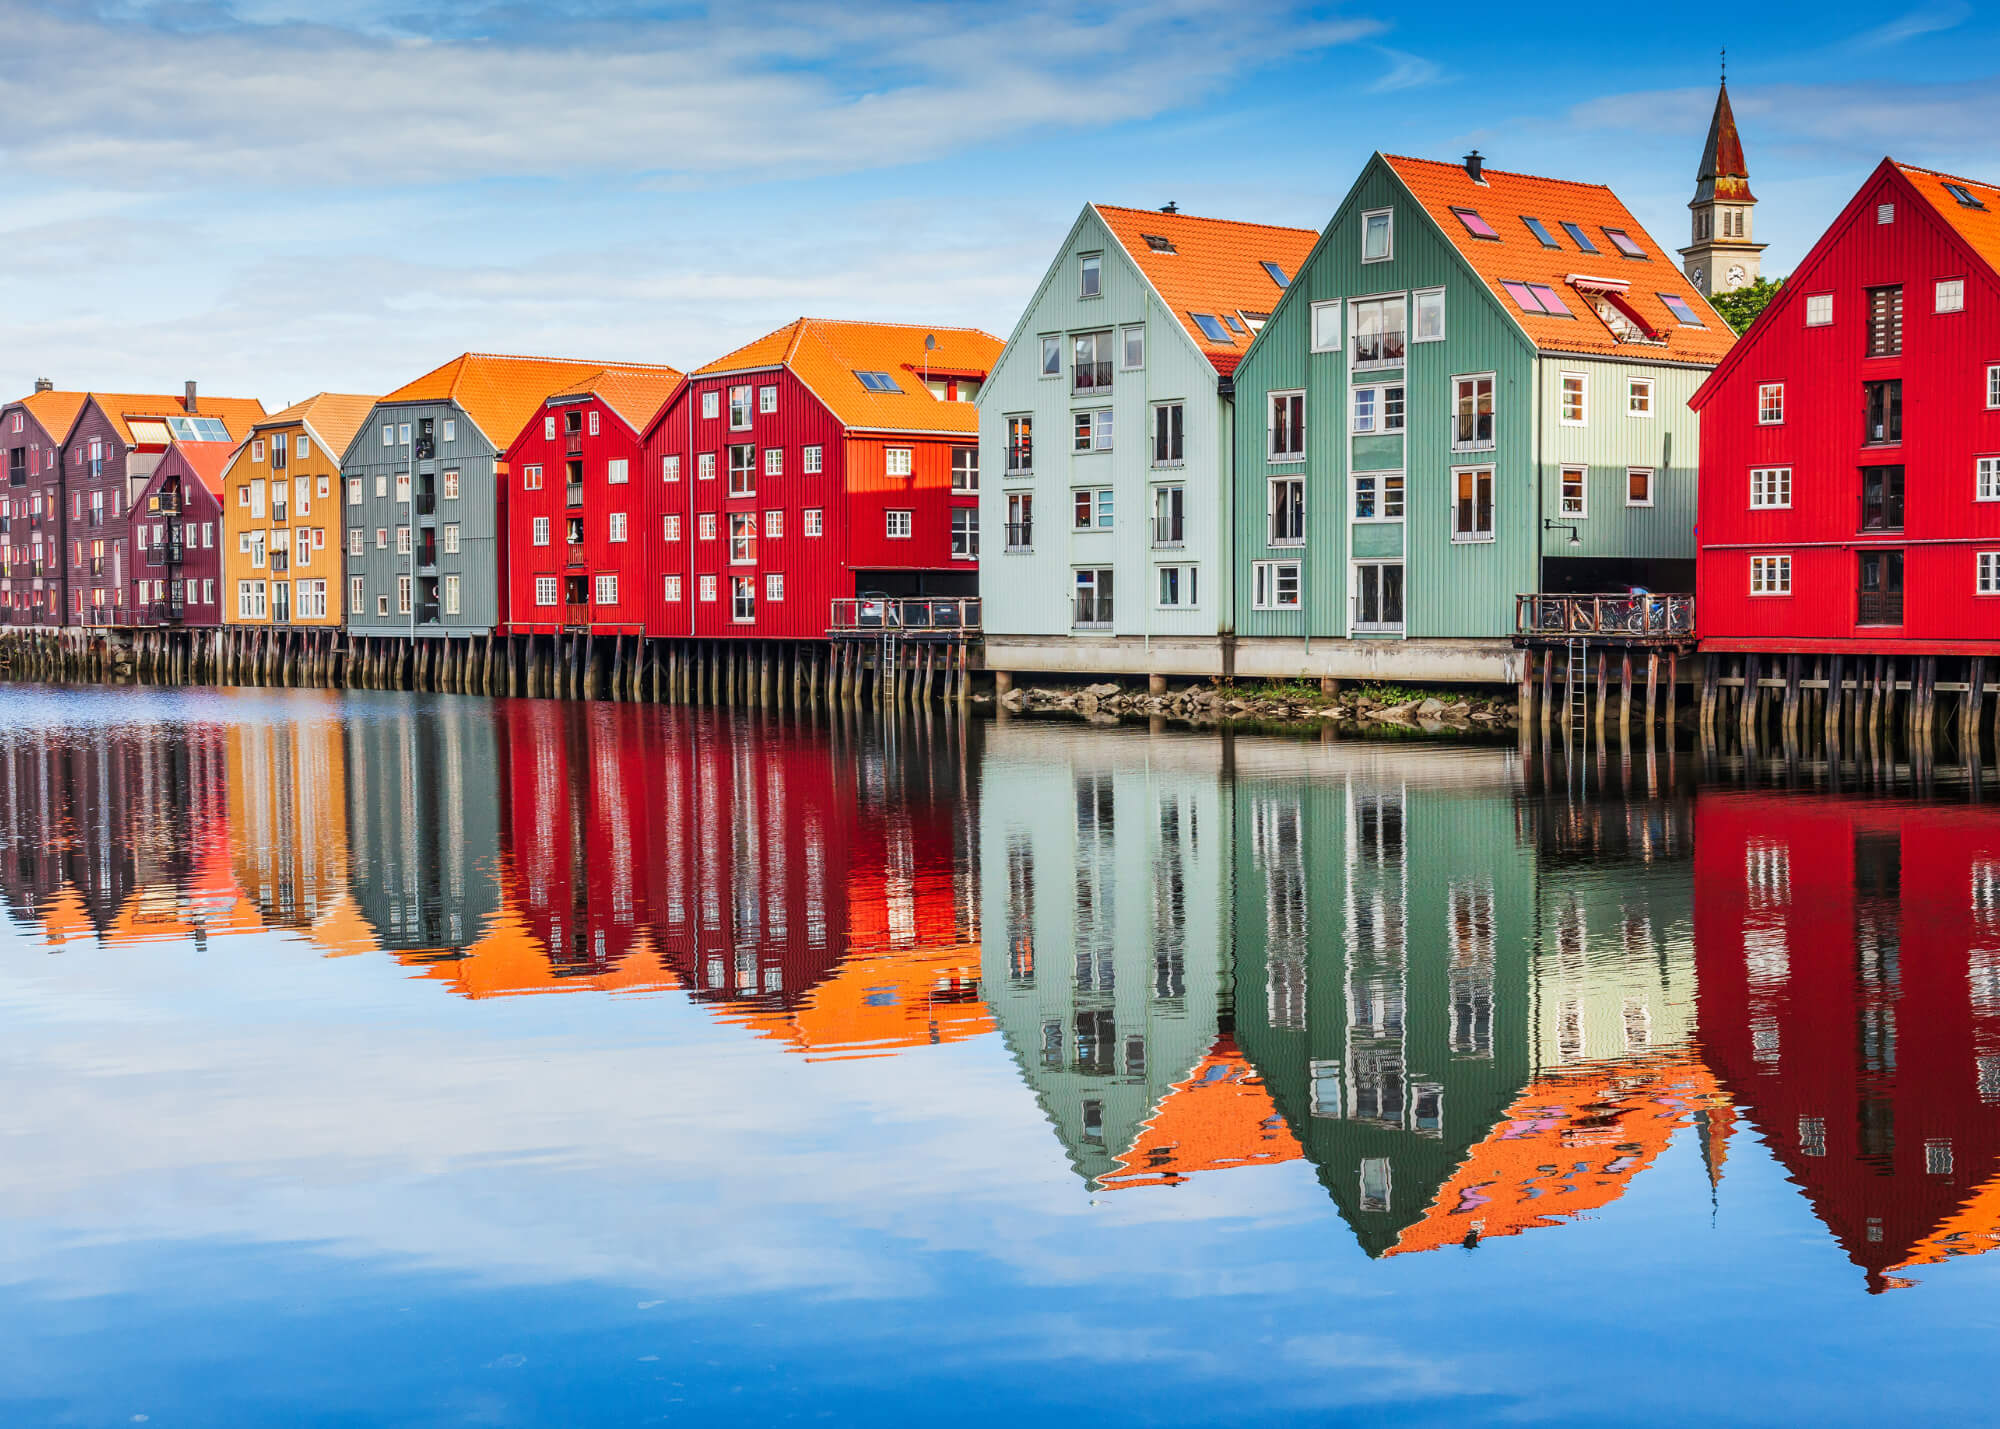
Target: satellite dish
{"points": [[930, 342]]}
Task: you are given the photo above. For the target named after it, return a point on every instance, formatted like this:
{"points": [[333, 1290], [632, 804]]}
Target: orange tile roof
{"points": [[56, 411], [206, 460], [1979, 227], [498, 393], [1216, 267], [332, 417], [825, 353], [634, 393], [1504, 199], [1216, 1117], [239, 414]]}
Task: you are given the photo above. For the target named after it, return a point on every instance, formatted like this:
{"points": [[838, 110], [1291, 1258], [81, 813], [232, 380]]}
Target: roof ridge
{"points": [[913, 327], [531, 357], [1509, 173], [1204, 218], [1944, 174]]}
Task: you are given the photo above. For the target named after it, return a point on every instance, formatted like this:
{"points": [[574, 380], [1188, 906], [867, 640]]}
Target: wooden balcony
{"points": [[1647, 620], [906, 617]]}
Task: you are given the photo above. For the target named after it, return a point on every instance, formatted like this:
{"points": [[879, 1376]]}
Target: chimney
{"points": [[42, 384], [1170, 207], [188, 401], [1474, 164]]}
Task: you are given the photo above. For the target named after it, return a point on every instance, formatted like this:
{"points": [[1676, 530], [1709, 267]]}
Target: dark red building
{"points": [[583, 528], [117, 443], [1850, 442], [32, 433], [1848, 954], [176, 527], [824, 461]]}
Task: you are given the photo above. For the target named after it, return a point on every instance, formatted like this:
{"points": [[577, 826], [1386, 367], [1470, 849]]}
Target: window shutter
{"points": [[1885, 321]]}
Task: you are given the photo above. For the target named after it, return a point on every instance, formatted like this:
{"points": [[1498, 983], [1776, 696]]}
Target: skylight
{"points": [[1622, 241], [1277, 274], [1578, 236], [1677, 305], [1235, 324], [1542, 235], [1963, 195], [878, 381], [198, 429], [1212, 328], [1157, 243], [1475, 225], [1537, 298], [1253, 321]]}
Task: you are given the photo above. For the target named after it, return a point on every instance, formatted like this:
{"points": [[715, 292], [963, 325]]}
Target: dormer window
{"points": [[1541, 232], [1157, 243], [1278, 274], [1622, 241], [1475, 225], [1578, 236]]}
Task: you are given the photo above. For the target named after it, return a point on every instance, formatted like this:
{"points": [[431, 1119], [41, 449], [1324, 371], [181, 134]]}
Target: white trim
{"points": [[1474, 538], [1775, 477], [1416, 309], [1652, 475], [1266, 585], [1776, 575], [1582, 419], [1313, 332], [1582, 512], [1779, 420], [1992, 386], [1826, 298], [1389, 245], [1271, 452], [1986, 478], [1986, 573], [1381, 480], [1957, 286], [1632, 384]]}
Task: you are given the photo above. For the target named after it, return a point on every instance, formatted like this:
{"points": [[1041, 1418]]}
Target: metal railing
{"points": [[1378, 348], [1090, 612], [573, 494], [904, 613], [1090, 377], [1020, 535], [167, 503], [165, 553], [166, 612], [427, 613], [94, 517], [1020, 458], [1669, 616], [427, 503], [1169, 531], [1879, 607]]}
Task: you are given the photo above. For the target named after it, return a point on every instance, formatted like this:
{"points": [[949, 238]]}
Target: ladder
{"points": [[1579, 677]]}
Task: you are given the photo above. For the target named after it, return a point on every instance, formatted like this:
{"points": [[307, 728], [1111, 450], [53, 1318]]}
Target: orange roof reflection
{"points": [[1973, 1230], [1570, 1143], [210, 905], [65, 917], [1218, 1116], [509, 960], [341, 929], [876, 1003]]}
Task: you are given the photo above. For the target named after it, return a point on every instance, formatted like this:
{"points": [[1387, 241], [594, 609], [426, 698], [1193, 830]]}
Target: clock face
{"points": [[1737, 277]]}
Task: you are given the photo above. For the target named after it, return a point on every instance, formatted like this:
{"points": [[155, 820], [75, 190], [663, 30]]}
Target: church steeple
{"points": [[1721, 256]]}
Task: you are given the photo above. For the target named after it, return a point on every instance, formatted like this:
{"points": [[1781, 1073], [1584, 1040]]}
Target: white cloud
{"points": [[1406, 71], [1932, 20]]}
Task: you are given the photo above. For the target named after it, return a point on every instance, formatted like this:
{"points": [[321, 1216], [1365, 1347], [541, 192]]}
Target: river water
{"points": [[388, 1059]]}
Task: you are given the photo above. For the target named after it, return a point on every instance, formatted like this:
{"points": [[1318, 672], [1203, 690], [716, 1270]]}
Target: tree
{"points": [[1739, 307]]}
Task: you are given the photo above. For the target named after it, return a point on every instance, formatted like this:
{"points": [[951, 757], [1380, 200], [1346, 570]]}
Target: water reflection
{"points": [[1470, 1000]]}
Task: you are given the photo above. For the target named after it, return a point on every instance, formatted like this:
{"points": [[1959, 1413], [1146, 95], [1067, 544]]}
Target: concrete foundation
{"points": [[1433, 661]]}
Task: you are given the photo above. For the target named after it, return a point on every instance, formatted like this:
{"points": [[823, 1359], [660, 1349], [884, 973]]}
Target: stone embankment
{"points": [[1215, 704]]}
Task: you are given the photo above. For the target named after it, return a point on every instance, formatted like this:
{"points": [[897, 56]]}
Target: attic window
{"points": [[1537, 298], [1277, 274], [1578, 236], [1475, 225], [1212, 328], [1542, 235], [1254, 321], [1235, 323], [1622, 241], [878, 381], [1677, 305], [1157, 243], [1963, 195]]}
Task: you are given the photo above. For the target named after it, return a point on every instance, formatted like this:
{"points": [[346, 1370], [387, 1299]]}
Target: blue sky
{"points": [[284, 196]]}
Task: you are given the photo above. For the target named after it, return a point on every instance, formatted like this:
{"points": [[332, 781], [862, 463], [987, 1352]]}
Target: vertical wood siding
{"points": [[1609, 445], [199, 508], [41, 454], [328, 564]]}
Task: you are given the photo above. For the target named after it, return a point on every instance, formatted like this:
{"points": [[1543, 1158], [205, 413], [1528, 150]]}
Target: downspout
{"points": [[1225, 390]]}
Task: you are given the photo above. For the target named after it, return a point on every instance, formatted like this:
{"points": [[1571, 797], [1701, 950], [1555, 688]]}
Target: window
{"points": [[451, 595], [1378, 236], [617, 472], [402, 540], [1576, 492], [774, 461], [1326, 327], [402, 595], [815, 520], [964, 533], [381, 605], [1093, 598], [774, 586], [1212, 328], [1378, 409], [1378, 496], [1094, 510], [1430, 315], [1819, 309], [1574, 390], [546, 592], [541, 530], [1578, 237], [1090, 275], [1881, 498], [548, 429], [1541, 232], [896, 461], [1989, 573], [1288, 426], [1093, 431], [1278, 274], [1638, 486], [1639, 397], [1051, 355], [1683, 313], [357, 595], [1132, 349], [897, 525], [355, 539], [1274, 585], [1884, 403], [402, 489], [1472, 503], [810, 459], [705, 588], [1885, 321], [710, 403], [1378, 595], [450, 432], [381, 538], [739, 408], [1770, 487], [1988, 486], [257, 450], [1951, 295], [403, 434], [767, 398], [705, 526], [1020, 520], [607, 588], [742, 538], [1963, 195], [670, 468], [965, 468], [1770, 575], [1622, 241], [671, 590], [1885, 213], [743, 597], [1475, 225], [1538, 298], [616, 534], [743, 470], [1771, 404], [388, 434], [1472, 412], [593, 423], [1378, 325], [1179, 586], [1285, 503], [448, 535], [353, 491]]}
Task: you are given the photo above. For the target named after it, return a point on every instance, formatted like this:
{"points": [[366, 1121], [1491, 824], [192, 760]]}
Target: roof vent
{"points": [[42, 384], [188, 401], [1170, 207], [1475, 167]]}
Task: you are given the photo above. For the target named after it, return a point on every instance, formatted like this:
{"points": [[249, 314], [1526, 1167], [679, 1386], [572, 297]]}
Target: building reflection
{"points": [[1849, 955]]}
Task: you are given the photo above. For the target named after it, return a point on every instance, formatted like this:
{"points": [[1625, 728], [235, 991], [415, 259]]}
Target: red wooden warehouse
{"points": [[177, 538], [825, 461], [582, 522], [1850, 442]]}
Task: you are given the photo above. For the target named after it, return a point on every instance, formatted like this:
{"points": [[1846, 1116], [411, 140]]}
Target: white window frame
{"points": [[1819, 310], [1266, 587], [1388, 217], [541, 531], [895, 529], [767, 398], [815, 521], [1378, 482], [1417, 301], [1462, 379], [774, 523], [898, 461], [1100, 434], [705, 588], [1993, 386], [1638, 389], [965, 533], [670, 590], [1582, 381], [1770, 399], [616, 526], [1652, 476], [670, 527], [448, 538], [740, 416], [450, 430], [1320, 342], [743, 599], [548, 590], [1581, 510], [1271, 511], [1187, 584], [1126, 337], [1379, 409], [774, 586], [670, 467], [1767, 485], [604, 590], [1090, 275], [1986, 573], [448, 596], [1771, 575], [774, 461], [1052, 345], [1475, 537], [813, 459], [617, 472], [1950, 295], [711, 405], [357, 595], [1271, 426]]}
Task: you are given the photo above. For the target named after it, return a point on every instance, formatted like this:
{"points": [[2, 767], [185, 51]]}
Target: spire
{"points": [[1723, 171]]}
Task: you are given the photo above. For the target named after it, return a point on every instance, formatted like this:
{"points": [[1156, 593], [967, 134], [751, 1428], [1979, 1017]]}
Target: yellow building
{"points": [[281, 522]]}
